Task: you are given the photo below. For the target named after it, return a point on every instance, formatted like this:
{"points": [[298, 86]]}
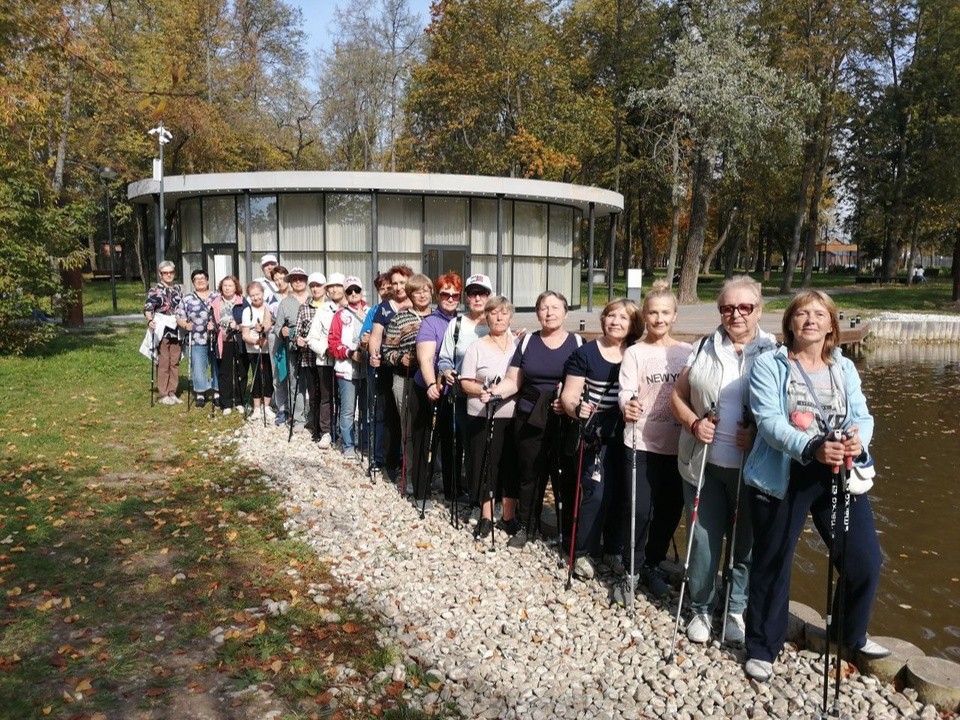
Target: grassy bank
{"points": [[130, 537]]}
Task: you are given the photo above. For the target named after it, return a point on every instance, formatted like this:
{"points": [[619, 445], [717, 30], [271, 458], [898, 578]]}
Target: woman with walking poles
{"points": [[813, 424], [195, 317], [227, 314], [163, 300], [535, 374], [590, 390], [709, 401], [648, 376]]}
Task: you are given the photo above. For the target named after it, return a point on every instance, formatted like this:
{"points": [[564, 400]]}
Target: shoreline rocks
{"points": [[498, 636]]}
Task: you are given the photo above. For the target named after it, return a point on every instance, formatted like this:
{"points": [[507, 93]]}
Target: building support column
{"points": [[590, 261]]}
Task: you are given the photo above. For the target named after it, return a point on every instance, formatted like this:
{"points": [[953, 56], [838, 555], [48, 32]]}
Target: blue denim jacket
{"points": [[778, 441]]}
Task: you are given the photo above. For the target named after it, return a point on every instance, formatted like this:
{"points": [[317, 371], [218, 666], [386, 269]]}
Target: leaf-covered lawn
{"points": [[131, 543]]}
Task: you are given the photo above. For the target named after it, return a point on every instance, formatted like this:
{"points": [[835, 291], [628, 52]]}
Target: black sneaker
{"points": [[200, 401], [510, 527], [484, 528], [653, 580], [519, 540]]}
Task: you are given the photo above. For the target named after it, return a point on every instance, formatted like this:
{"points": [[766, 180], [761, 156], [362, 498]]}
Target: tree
{"points": [[730, 104]]}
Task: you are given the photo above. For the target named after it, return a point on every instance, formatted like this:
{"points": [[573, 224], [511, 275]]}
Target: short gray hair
{"points": [[744, 282], [166, 265]]}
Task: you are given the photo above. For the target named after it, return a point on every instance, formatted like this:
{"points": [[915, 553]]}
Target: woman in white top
{"points": [[648, 375], [493, 471], [256, 322]]}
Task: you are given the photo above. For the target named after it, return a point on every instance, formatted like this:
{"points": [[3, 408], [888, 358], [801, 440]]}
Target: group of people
{"points": [[746, 435]]}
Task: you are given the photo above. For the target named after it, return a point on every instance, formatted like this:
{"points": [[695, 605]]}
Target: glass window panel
{"points": [[446, 221], [220, 263], [561, 232], [219, 220], [351, 264], [530, 229], [190, 231], [348, 222], [398, 224], [188, 263], [560, 277], [301, 224], [311, 262], [483, 223], [529, 278], [487, 265], [577, 295], [388, 260], [263, 222]]}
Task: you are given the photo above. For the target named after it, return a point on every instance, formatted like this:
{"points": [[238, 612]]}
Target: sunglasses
{"points": [[477, 292], [353, 291], [447, 295], [743, 308]]}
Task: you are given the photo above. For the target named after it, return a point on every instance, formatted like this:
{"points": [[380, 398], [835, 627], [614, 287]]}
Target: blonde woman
{"points": [[648, 376]]}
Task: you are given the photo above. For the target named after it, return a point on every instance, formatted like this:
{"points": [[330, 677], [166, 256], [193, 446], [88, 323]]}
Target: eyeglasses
{"points": [[353, 291], [477, 292], [744, 309], [447, 295]]}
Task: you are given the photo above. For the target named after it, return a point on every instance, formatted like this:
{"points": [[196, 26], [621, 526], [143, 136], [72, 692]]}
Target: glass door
{"points": [[440, 259], [220, 261]]}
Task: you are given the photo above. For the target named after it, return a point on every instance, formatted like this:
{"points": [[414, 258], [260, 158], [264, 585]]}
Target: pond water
{"points": [[914, 394]]}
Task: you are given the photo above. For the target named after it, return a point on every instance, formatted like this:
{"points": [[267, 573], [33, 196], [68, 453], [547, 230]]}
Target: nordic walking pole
{"points": [[632, 582], [488, 490], [457, 467], [211, 356], [189, 369], [249, 399], [372, 426], [839, 485], [263, 405], [578, 495], [404, 431], [712, 416], [837, 435], [732, 539], [296, 391], [433, 431], [153, 365]]}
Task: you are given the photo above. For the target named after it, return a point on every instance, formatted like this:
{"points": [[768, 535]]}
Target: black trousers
{"points": [[540, 458], [233, 375]]}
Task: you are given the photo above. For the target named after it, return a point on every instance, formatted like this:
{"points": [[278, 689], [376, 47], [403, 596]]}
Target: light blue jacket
{"points": [[778, 441]]}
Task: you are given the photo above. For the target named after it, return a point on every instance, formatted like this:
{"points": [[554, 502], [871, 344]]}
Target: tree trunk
{"points": [[675, 214], [731, 263], [768, 251], [712, 255], [956, 264], [790, 261], [699, 215]]}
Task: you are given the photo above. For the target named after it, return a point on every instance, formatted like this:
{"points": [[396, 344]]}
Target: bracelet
{"points": [[693, 426]]}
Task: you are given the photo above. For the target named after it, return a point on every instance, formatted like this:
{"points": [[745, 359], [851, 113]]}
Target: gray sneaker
{"points": [[615, 563], [621, 592], [518, 541], [653, 580], [759, 670], [583, 567]]}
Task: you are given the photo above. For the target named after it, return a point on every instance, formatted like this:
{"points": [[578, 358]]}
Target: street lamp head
{"points": [[163, 135]]}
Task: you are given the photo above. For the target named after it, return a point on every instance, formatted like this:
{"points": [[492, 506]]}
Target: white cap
{"points": [[335, 279], [481, 280], [316, 279], [268, 258], [353, 281]]}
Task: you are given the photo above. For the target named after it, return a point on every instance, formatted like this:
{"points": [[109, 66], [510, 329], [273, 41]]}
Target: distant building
{"points": [[829, 254], [526, 235]]}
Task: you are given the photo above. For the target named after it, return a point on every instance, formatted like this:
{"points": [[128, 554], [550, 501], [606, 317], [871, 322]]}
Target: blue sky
{"points": [[318, 14]]}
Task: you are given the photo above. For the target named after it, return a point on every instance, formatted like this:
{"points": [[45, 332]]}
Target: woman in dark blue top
{"points": [[536, 373]]}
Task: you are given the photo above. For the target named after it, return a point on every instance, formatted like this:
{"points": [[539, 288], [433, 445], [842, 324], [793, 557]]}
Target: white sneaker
{"points": [[176, 400], [271, 415], [872, 650], [325, 442], [759, 670], [226, 411], [583, 567], [734, 628], [167, 400], [699, 629]]}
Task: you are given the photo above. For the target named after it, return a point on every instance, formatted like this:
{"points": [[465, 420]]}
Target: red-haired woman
{"points": [[427, 390]]}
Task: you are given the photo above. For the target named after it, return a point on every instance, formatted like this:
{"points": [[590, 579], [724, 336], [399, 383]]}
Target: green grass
{"points": [[104, 501], [933, 296], [98, 301]]}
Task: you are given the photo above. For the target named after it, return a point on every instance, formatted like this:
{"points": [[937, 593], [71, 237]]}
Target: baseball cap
{"points": [[480, 281], [268, 258], [353, 281], [297, 272], [316, 279], [335, 279]]}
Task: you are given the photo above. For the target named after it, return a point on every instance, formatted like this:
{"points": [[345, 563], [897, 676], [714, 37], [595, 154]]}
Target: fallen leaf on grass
{"points": [[156, 691], [350, 628], [394, 689], [83, 685], [276, 666]]}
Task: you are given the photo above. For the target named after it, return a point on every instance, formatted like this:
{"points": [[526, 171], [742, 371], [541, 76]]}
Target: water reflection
{"points": [[914, 394]]}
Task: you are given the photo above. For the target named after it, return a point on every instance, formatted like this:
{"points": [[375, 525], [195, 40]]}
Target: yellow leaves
{"points": [[350, 628], [276, 666], [232, 535], [13, 592]]}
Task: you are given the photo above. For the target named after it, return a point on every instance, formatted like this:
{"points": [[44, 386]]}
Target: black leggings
{"points": [[233, 375]]}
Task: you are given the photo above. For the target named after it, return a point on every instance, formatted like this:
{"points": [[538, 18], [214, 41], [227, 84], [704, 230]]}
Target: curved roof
{"points": [[176, 187]]}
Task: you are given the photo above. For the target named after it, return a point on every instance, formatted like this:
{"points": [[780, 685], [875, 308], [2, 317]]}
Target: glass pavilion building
{"points": [[527, 235]]}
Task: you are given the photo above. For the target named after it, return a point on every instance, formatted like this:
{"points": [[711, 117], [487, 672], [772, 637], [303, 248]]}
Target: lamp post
{"points": [[163, 137], [106, 175]]}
